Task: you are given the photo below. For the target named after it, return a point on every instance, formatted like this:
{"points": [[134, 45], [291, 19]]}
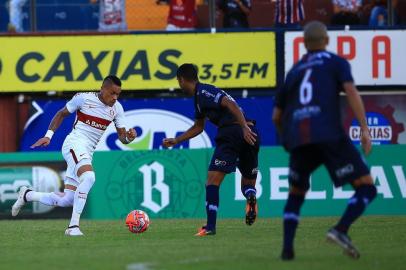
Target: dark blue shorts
{"points": [[342, 160], [233, 151]]}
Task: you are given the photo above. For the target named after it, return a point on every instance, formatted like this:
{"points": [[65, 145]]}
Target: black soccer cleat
{"points": [[251, 209], [287, 255], [344, 241]]}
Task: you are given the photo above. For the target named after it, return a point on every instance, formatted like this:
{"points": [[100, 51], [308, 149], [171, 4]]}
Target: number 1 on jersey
{"points": [[306, 88]]}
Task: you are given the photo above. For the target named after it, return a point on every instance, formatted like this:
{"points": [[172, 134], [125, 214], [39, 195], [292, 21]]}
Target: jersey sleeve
{"points": [[208, 99], [344, 71], [75, 103], [119, 120], [211, 99]]}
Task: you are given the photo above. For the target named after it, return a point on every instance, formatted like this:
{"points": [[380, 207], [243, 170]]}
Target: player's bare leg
{"points": [[250, 193], [87, 179]]}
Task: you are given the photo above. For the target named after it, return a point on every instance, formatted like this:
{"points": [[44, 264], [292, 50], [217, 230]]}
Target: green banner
{"points": [[42, 173], [171, 184]]}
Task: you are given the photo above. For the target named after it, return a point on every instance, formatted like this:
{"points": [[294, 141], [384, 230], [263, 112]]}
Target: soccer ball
{"points": [[137, 221]]}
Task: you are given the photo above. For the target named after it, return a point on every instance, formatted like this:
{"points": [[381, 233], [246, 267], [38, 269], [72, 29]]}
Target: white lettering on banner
{"points": [[400, 177], [339, 193], [158, 170], [378, 174], [279, 185], [10, 191], [279, 181], [377, 57], [237, 179]]}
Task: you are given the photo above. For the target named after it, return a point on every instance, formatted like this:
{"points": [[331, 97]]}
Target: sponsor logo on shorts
{"points": [[254, 171], [344, 171], [219, 162]]}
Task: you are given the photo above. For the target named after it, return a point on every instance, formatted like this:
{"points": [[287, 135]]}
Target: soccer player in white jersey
{"points": [[94, 112]]}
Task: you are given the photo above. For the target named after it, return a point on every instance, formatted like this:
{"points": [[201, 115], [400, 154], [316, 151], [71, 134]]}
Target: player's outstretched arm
{"points": [[53, 126], [249, 135], [126, 136], [193, 131], [355, 101]]}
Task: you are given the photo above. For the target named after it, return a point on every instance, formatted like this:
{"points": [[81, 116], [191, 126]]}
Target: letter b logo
{"points": [[154, 173]]}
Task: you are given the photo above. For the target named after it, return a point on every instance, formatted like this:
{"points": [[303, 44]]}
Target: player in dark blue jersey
{"points": [[307, 114], [237, 143]]}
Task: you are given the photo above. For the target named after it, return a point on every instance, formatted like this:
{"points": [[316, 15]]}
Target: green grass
{"points": [[169, 244]]}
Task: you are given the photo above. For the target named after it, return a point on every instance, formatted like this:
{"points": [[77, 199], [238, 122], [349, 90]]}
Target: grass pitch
{"points": [[169, 244]]}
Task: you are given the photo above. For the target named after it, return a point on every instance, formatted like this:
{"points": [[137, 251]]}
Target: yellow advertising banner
{"points": [[146, 61]]}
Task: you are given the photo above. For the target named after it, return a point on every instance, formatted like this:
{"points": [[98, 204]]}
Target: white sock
{"points": [[34, 196], [87, 180], [52, 198]]}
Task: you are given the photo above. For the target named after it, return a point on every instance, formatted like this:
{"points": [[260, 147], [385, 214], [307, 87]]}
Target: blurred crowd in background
{"points": [[18, 16]]}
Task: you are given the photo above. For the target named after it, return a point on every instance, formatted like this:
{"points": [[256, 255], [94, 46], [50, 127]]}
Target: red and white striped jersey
{"points": [[92, 118], [289, 11]]}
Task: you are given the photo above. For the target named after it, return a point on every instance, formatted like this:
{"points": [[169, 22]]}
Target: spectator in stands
{"points": [[182, 14], [111, 15], [379, 12], [235, 13], [346, 12], [289, 13], [16, 15]]}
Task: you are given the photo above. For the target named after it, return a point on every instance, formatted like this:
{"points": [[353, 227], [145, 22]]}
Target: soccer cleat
{"points": [[343, 241], [251, 209], [204, 232], [15, 209], [73, 231], [287, 255]]}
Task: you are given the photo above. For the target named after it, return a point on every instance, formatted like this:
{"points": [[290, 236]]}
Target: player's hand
{"points": [[169, 142], [366, 142], [131, 135], [249, 135], [41, 142]]}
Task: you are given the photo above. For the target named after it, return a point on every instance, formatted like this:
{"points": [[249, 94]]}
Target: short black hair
{"points": [[187, 71], [112, 79]]}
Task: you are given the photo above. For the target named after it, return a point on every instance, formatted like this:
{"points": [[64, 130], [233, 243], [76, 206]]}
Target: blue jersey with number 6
{"points": [[310, 100]]}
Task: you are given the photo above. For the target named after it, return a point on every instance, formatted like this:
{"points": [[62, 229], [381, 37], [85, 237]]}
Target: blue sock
{"points": [[291, 219], [212, 203], [356, 206], [248, 190]]}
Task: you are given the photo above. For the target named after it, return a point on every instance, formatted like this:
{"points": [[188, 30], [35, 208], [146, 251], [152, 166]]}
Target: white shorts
{"points": [[74, 152]]}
